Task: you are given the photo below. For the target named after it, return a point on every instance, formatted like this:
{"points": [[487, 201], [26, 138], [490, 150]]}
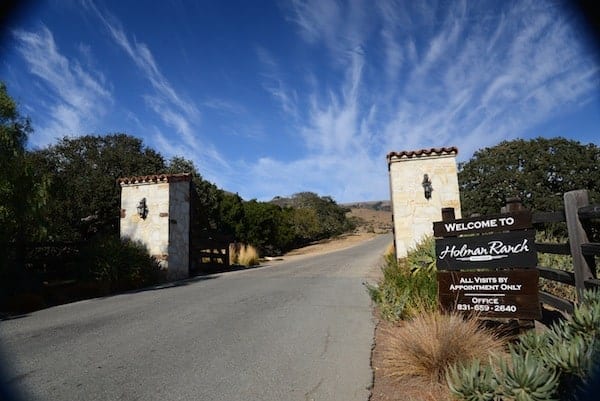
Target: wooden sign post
{"points": [[499, 253]]}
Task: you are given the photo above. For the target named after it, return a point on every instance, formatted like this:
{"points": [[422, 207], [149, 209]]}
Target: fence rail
{"points": [[578, 215]]}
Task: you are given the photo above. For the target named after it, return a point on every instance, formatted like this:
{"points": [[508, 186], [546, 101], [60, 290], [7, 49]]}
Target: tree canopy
{"points": [[83, 189], [539, 171], [22, 190]]}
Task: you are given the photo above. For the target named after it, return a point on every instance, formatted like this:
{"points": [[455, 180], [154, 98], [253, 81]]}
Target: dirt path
{"points": [[333, 244]]}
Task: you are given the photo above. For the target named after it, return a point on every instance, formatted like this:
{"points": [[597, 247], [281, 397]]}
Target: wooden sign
{"points": [[502, 294], [512, 249], [487, 224]]}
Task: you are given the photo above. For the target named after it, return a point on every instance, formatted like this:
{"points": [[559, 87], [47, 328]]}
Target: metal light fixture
{"points": [[142, 209], [428, 189]]}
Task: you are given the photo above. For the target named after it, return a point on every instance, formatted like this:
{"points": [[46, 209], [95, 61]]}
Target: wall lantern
{"points": [[428, 189], [142, 209]]}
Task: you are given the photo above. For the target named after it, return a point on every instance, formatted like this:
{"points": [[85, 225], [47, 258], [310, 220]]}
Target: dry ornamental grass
{"points": [[424, 347]]}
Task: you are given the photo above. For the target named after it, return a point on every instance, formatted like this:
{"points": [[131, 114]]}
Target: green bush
{"points": [[408, 287], [552, 365], [123, 264]]}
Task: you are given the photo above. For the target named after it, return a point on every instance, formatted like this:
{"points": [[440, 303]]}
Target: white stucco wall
{"points": [[153, 231], [165, 230], [413, 213]]}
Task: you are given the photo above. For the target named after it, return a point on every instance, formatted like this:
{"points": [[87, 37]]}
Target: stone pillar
{"points": [[414, 210], [165, 227]]}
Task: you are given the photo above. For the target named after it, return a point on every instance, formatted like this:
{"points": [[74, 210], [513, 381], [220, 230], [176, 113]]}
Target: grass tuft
{"points": [[248, 256], [427, 345]]}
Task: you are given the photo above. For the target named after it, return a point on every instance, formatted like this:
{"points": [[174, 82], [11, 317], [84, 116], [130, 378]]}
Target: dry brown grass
{"points": [[389, 250], [423, 348], [369, 220], [248, 256], [233, 253]]}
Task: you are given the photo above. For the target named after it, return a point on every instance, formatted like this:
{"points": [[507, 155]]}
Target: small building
{"points": [[155, 210], [422, 182]]}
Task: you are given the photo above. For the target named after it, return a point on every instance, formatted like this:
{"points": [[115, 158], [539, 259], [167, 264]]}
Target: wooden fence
{"points": [[578, 215]]}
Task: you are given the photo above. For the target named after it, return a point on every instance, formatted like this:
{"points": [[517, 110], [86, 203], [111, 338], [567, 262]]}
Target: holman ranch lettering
{"points": [[494, 250], [501, 250]]}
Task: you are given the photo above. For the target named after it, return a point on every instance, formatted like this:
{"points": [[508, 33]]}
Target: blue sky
{"points": [[275, 97]]}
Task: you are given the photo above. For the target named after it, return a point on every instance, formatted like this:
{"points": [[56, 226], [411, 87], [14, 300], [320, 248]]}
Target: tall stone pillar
{"points": [[155, 210], [422, 182]]}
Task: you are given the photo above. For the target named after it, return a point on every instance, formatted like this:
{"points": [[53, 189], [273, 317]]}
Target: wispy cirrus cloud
{"points": [[341, 27], [501, 81], [75, 97], [274, 83], [432, 74], [175, 110]]}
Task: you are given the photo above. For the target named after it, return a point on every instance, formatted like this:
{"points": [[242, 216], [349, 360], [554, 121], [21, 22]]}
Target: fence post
{"points": [[513, 205], [448, 214], [577, 236]]}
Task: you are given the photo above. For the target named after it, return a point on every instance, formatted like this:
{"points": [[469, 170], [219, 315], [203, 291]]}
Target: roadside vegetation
{"points": [[557, 364], [243, 255], [432, 355], [422, 342], [408, 287]]}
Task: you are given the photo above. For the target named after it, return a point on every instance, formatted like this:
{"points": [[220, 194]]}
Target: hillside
{"points": [[385, 205], [369, 219]]}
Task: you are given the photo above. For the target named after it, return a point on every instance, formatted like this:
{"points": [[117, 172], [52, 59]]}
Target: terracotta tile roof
{"points": [[409, 154], [147, 179]]}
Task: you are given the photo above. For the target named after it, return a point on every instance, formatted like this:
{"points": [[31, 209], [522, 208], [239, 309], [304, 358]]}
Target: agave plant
{"points": [[525, 379], [573, 357], [531, 342], [472, 382], [586, 316]]}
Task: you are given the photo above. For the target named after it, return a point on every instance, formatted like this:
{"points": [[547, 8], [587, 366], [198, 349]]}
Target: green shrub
{"points": [[422, 258], [123, 264], [408, 287]]}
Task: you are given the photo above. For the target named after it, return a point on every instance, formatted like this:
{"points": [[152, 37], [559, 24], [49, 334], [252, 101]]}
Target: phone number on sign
{"points": [[486, 308]]}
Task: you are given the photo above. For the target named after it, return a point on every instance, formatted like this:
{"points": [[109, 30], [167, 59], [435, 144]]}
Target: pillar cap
{"points": [[154, 178], [410, 154]]}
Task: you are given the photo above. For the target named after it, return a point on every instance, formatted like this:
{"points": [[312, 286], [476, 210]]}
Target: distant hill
{"points": [[385, 206], [371, 216]]}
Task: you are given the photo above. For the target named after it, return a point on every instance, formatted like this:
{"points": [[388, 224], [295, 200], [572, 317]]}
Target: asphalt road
{"points": [[292, 330]]}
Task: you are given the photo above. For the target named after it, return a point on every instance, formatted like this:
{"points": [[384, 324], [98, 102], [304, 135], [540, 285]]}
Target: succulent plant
{"points": [[552, 365], [526, 379], [586, 316], [531, 342], [572, 357], [472, 382]]}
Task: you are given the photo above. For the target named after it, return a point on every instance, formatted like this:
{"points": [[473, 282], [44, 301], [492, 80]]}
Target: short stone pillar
{"points": [[155, 210], [422, 182]]}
